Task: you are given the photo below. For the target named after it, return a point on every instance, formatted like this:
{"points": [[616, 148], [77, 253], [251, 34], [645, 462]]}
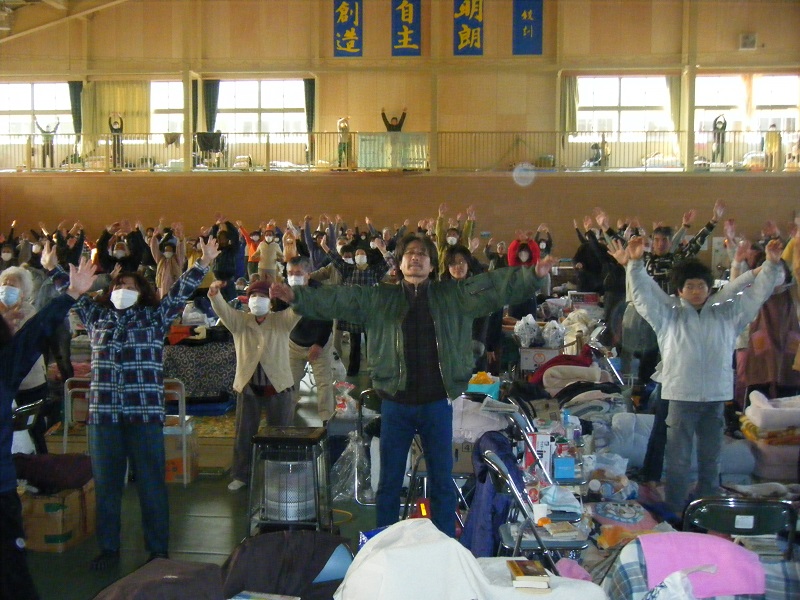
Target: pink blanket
{"points": [[738, 570]]}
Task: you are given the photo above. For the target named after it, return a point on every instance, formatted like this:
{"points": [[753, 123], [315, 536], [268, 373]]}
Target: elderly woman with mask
{"points": [[16, 289]]}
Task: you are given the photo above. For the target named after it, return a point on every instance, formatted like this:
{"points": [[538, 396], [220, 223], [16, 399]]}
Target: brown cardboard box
{"points": [[59, 521], [174, 455], [462, 457]]}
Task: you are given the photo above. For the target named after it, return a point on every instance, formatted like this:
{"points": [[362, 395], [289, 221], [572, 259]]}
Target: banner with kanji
{"points": [[348, 39], [468, 27], [406, 28], [527, 25]]}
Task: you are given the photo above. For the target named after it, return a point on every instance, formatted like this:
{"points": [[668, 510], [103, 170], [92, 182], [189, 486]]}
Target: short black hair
{"points": [[691, 268], [664, 230], [426, 241]]}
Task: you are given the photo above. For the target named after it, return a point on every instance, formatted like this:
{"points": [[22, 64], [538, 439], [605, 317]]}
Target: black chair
{"points": [[743, 517], [25, 417]]}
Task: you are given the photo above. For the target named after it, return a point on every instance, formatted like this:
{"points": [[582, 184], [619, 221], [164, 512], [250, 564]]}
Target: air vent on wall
{"points": [[748, 41]]}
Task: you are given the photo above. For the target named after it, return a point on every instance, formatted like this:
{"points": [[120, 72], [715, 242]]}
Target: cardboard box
{"points": [[56, 522], [174, 455], [531, 359], [462, 457]]}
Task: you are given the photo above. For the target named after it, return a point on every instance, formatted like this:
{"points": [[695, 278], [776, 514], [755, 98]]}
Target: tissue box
{"points": [[489, 389]]}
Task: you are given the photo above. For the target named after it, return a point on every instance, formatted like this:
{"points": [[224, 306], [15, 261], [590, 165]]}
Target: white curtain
{"points": [[131, 99]]}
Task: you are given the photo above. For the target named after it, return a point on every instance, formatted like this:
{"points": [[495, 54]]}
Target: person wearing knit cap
{"points": [[263, 379]]}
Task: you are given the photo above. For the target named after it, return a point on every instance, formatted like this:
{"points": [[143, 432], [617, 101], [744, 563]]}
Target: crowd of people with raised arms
{"points": [[427, 301]]}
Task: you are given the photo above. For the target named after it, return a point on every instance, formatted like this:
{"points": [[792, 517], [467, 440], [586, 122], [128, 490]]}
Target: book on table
{"points": [[528, 574], [562, 530]]}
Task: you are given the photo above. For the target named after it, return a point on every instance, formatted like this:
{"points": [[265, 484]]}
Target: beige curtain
{"points": [[131, 99], [674, 90], [569, 104]]}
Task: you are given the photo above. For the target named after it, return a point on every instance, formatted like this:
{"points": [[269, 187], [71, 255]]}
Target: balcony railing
{"points": [[370, 151]]}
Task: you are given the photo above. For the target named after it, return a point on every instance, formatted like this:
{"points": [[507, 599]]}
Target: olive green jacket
{"points": [[453, 304]]}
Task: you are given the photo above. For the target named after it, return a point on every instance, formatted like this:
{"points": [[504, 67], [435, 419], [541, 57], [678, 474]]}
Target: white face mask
{"points": [[361, 259], [168, 255], [349, 261], [6, 256], [372, 245], [9, 295], [296, 280], [268, 239], [452, 240], [120, 254], [122, 298], [255, 238], [524, 256], [258, 305], [36, 248]]}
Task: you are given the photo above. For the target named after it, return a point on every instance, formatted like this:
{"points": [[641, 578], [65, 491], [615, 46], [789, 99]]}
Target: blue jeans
{"points": [[654, 457], [686, 421], [434, 424], [110, 447]]}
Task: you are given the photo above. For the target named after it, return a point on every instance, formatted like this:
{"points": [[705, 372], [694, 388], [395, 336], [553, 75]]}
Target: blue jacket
{"points": [[16, 359]]}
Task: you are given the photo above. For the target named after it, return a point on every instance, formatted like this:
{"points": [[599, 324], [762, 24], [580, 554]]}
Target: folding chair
{"points": [[25, 417], [74, 388], [743, 516], [517, 543]]}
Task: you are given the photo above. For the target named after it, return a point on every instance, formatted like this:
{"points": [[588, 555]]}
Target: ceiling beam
{"points": [[59, 4], [38, 17]]}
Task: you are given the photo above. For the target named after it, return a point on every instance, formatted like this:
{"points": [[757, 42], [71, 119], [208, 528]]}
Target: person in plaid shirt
{"points": [[126, 328]]}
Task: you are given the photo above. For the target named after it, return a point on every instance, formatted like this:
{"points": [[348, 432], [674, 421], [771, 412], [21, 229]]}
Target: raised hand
{"points": [[215, 288], [617, 250], [49, 259], [209, 249], [281, 291], [635, 248], [81, 278], [719, 210], [688, 217], [741, 251], [774, 250], [544, 265]]}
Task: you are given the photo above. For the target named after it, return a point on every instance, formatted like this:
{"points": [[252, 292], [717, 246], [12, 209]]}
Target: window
{"points": [[23, 105], [166, 106], [772, 98], [776, 99], [624, 107], [258, 107]]}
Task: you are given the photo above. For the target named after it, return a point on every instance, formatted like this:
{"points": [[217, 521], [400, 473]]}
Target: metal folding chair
{"points": [[517, 543], [742, 517]]}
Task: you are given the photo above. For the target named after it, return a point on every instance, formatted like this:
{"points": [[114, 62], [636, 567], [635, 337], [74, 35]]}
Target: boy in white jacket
{"points": [[696, 334]]}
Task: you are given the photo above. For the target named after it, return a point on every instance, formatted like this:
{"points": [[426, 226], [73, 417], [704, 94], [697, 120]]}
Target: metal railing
{"points": [[377, 151]]}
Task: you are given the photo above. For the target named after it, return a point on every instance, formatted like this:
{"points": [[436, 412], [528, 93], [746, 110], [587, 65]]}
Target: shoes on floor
{"points": [[105, 560], [236, 485]]}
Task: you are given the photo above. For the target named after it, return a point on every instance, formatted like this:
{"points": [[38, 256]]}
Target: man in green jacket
{"points": [[419, 344]]}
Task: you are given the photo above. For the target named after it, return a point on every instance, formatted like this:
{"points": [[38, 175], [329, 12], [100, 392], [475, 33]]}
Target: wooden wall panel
{"points": [[389, 198]]}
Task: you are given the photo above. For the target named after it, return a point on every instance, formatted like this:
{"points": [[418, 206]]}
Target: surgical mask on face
{"points": [[268, 239], [349, 261], [524, 256], [259, 306], [255, 238], [36, 248], [361, 259], [6, 256], [452, 240], [120, 253], [296, 280], [9, 295], [168, 255], [372, 245], [122, 298]]}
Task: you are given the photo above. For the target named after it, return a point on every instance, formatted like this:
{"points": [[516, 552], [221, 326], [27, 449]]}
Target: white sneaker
{"points": [[236, 485]]}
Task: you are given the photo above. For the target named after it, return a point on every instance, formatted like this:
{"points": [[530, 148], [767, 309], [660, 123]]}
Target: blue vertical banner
{"points": [[406, 28], [348, 39], [527, 26], [467, 27]]}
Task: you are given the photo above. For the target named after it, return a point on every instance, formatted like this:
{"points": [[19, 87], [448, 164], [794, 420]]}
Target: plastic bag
{"points": [[553, 334], [677, 585], [351, 464], [338, 370], [345, 403], [527, 331]]}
